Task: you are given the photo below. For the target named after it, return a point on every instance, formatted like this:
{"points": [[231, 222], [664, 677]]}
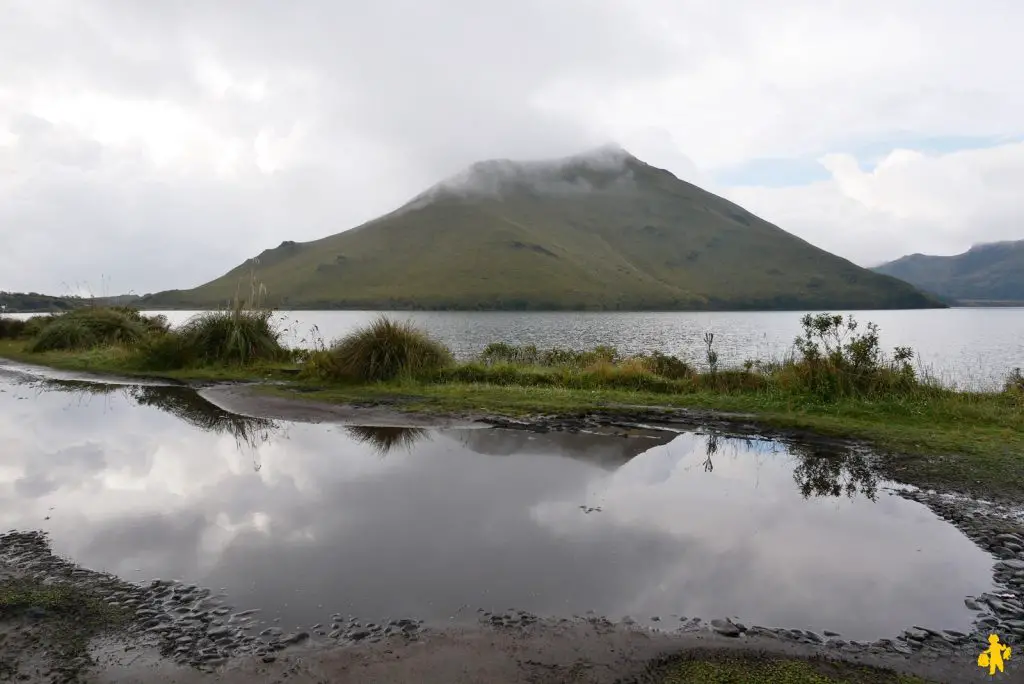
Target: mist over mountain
{"points": [[600, 230]]}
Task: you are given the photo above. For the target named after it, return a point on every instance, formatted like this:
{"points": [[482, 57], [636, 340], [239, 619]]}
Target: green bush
{"points": [[498, 353], [153, 324], [64, 335], [35, 324], [87, 328], [165, 351], [1014, 382], [836, 360], [12, 328], [234, 337], [666, 366], [384, 350]]}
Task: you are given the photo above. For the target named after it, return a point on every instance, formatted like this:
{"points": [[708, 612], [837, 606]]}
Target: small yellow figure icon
{"points": [[994, 656]]}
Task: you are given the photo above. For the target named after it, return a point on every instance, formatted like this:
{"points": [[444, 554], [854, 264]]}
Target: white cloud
{"points": [[910, 202], [160, 143]]}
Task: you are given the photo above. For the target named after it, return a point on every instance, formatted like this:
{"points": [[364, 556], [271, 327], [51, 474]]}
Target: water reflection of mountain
{"points": [[605, 450], [184, 403]]}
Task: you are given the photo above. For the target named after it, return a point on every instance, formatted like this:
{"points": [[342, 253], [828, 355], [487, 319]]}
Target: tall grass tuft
{"points": [[87, 328], [234, 337], [385, 350]]}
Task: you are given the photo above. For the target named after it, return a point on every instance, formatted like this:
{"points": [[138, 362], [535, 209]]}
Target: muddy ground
{"points": [[97, 628]]}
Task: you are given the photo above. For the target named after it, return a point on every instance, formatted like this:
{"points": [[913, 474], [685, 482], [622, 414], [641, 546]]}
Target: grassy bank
{"points": [[838, 382]]}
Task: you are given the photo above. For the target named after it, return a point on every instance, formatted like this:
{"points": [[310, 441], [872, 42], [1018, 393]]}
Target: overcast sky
{"points": [[153, 144]]}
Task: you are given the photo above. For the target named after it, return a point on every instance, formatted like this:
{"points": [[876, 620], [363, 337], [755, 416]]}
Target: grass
{"points": [[749, 669], [838, 383], [383, 350]]}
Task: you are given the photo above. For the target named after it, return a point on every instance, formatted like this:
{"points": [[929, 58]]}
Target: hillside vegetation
{"points": [[602, 230], [989, 273]]}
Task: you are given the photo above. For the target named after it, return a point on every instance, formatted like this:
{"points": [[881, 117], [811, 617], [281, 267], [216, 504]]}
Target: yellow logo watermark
{"points": [[994, 656]]}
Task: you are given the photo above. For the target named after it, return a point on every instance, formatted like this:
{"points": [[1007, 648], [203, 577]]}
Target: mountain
{"points": [[988, 273], [599, 230]]}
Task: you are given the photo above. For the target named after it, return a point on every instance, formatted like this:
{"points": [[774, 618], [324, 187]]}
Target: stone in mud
{"points": [[295, 638], [359, 635], [725, 628]]}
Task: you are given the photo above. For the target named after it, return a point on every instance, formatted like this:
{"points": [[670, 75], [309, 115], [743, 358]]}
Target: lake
{"points": [[973, 348], [305, 521], [970, 347]]}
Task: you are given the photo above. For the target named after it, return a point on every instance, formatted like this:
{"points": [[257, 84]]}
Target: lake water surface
{"points": [[305, 520], [970, 347]]}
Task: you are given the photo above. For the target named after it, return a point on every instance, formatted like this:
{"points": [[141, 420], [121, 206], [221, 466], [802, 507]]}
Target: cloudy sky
{"points": [[149, 145]]}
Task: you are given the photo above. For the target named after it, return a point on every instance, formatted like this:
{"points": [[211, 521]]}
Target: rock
{"points": [[1012, 564], [830, 633], [359, 635], [971, 604], [725, 628]]}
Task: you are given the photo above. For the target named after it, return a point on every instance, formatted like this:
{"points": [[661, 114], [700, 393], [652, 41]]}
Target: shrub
{"points": [[236, 336], [153, 324], [502, 352], [64, 335], [165, 351], [35, 324], [837, 360], [529, 355], [86, 328], [1014, 382], [12, 328], [386, 349], [317, 364], [665, 365]]}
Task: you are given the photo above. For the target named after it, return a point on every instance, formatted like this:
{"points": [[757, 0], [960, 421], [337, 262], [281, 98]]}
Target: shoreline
{"points": [[953, 443]]}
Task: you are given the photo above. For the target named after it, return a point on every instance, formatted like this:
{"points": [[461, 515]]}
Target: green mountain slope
{"points": [[984, 273], [601, 230]]}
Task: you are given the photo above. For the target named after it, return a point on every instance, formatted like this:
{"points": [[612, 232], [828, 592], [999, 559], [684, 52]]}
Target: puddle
{"points": [[302, 520]]}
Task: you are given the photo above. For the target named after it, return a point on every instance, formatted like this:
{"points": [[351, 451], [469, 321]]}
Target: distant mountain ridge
{"points": [[600, 230], [986, 273]]}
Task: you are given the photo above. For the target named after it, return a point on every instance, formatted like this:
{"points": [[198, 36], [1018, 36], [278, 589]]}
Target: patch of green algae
{"points": [[748, 670]]}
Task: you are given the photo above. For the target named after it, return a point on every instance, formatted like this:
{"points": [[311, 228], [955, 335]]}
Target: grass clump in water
{"points": [[383, 350]]}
